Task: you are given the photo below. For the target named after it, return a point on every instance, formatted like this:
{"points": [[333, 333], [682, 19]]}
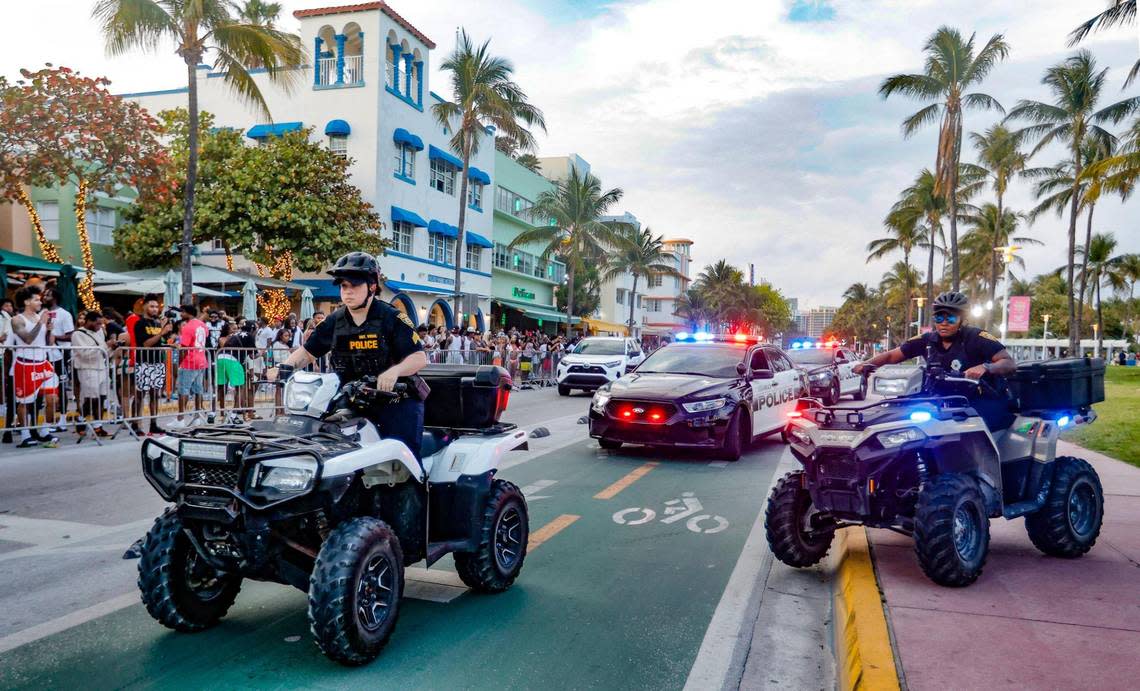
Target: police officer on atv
{"points": [[961, 351], [368, 337]]}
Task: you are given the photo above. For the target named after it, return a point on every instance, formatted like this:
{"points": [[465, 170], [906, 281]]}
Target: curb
{"points": [[864, 656]]}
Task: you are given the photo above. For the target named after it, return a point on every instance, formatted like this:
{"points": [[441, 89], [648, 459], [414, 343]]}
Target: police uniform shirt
{"points": [[970, 347], [387, 336]]}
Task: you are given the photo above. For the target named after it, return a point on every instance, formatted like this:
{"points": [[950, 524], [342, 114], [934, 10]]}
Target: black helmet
{"points": [[358, 264], [952, 301]]}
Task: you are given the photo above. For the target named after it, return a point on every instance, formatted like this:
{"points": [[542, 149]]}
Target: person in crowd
{"points": [[480, 350], [426, 338], [7, 311], [150, 360], [292, 324], [265, 334], [279, 353], [214, 328], [236, 345], [192, 363], [91, 355], [63, 323], [32, 372], [455, 347]]}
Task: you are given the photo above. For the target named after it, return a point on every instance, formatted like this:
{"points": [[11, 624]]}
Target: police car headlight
{"points": [[821, 376], [899, 437], [601, 398], [704, 406]]}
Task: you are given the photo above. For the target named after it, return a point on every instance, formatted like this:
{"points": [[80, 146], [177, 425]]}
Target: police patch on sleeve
{"points": [[404, 318], [987, 334]]}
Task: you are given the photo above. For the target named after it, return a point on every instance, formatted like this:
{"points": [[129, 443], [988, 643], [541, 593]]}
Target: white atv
{"points": [[317, 500]]}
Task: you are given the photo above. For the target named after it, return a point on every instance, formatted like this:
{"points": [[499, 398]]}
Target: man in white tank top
{"points": [[32, 373]]}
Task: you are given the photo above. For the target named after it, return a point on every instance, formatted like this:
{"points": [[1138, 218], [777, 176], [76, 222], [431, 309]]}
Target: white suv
{"points": [[597, 361]]}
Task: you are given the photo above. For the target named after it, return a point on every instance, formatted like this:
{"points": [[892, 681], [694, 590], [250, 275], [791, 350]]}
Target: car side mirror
{"points": [[741, 369], [763, 374]]}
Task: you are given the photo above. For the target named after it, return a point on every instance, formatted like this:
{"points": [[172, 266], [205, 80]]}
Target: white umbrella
{"points": [[307, 304], [154, 285], [172, 284], [249, 301]]}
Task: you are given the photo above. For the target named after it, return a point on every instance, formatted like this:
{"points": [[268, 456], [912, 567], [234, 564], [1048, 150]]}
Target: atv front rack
{"points": [[944, 407], [270, 440]]}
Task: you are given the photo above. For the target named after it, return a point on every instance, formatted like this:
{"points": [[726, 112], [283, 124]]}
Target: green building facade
{"points": [[56, 209], [522, 284]]}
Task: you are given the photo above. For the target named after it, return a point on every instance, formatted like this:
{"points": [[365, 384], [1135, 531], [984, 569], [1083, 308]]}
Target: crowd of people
{"points": [[117, 369]]}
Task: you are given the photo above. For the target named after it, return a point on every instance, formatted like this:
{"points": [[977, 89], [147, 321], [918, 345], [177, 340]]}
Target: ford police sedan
{"points": [[703, 392]]}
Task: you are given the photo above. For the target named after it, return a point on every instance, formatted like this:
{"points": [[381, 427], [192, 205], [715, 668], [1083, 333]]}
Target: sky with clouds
{"points": [[752, 127]]}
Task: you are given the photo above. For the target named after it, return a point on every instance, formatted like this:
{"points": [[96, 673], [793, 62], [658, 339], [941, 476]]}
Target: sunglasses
{"points": [[353, 281], [945, 319]]}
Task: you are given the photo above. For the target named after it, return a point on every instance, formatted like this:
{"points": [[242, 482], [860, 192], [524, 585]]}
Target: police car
{"points": [[702, 392], [596, 361], [829, 369]]}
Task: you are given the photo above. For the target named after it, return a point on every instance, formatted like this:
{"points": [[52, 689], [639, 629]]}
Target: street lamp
{"points": [[1096, 339], [919, 324], [888, 332], [1007, 252], [1045, 339]]}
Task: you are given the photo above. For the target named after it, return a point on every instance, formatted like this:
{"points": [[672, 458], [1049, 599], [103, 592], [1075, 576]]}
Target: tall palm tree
{"points": [[642, 255], [199, 28], [895, 289], [1103, 264], [575, 233], [905, 232], [693, 306], [259, 13], [1118, 13], [952, 67], [992, 229], [1126, 275], [1071, 117], [1001, 158], [483, 93], [921, 201], [720, 283]]}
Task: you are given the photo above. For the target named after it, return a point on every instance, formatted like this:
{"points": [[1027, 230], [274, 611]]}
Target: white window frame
{"points": [[475, 194], [49, 218], [101, 224], [441, 249], [655, 280], [338, 144], [405, 161], [442, 177], [474, 257], [619, 296], [403, 237]]}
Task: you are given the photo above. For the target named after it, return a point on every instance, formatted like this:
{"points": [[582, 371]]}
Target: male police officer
{"points": [[962, 351], [368, 337]]}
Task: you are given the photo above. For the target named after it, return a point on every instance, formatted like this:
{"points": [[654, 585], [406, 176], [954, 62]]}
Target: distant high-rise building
{"points": [[818, 319]]}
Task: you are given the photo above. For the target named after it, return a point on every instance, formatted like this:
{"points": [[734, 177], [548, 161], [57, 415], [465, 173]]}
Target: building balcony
{"points": [[330, 77]]}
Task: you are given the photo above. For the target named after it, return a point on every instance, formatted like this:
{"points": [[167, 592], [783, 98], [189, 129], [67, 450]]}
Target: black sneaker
{"points": [[7, 437], [28, 443], [155, 429]]}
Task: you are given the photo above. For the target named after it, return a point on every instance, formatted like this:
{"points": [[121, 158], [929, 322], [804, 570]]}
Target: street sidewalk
{"points": [[1030, 621]]}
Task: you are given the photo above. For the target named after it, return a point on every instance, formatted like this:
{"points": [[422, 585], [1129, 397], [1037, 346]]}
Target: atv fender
{"points": [[474, 454], [386, 461], [971, 452]]}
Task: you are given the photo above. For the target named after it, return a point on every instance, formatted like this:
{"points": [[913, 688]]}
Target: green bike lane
{"points": [[598, 604]]}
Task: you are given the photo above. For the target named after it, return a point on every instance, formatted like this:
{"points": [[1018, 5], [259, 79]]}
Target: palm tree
{"points": [[199, 28], [1102, 265], [1119, 13], [575, 233], [921, 201], [639, 254], [1076, 85], [992, 229], [694, 308], [1001, 158], [895, 288], [530, 162], [720, 283], [952, 67], [483, 93], [1126, 275], [904, 233], [259, 13]]}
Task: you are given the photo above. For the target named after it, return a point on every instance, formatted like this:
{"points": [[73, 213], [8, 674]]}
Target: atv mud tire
{"points": [[503, 536], [952, 530], [785, 523], [179, 588], [1070, 521], [355, 591]]}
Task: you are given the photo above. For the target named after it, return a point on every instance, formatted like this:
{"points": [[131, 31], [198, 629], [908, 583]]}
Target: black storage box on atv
{"points": [[1065, 384], [465, 396]]}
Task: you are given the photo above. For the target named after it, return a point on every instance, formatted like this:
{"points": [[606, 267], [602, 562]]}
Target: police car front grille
{"points": [[668, 409], [586, 369], [210, 475]]}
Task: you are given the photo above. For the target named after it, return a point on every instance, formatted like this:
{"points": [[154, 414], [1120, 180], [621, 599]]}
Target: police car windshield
{"points": [[811, 356], [600, 346], [702, 359]]}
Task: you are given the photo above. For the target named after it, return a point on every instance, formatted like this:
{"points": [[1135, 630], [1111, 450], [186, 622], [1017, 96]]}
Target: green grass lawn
{"points": [[1116, 431]]}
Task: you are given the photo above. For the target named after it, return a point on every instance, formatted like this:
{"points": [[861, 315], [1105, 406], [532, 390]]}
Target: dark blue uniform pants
{"points": [[403, 421]]}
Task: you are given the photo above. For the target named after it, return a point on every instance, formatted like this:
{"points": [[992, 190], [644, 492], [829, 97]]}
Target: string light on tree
{"points": [[49, 250], [273, 303], [86, 292]]}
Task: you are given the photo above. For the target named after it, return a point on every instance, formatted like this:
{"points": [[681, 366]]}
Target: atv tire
{"points": [[355, 591], [784, 522], [951, 530], [736, 437], [179, 588], [496, 563], [609, 444], [1070, 521]]}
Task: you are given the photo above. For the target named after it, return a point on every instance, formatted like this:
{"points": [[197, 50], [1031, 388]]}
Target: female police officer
{"points": [[368, 337]]}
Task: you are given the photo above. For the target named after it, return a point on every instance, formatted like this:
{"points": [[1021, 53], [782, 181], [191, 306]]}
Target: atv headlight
{"points": [[899, 437], [890, 386], [169, 465], [800, 435], [290, 474], [704, 406]]}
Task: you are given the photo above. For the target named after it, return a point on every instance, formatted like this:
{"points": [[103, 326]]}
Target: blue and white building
{"points": [[366, 94]]}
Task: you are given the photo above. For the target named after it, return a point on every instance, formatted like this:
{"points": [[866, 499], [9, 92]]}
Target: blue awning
{"points": [[323, 288], [478, 175], [337, 127], [274, 130], [402, 136], [402, 287], [440, 154], [478, 240], [406, 216], [441, 228]]}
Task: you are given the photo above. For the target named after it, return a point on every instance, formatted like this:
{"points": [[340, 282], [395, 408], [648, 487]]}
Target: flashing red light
{"points": [[741, 338], [795, 413], [627, 413], [655, 416]]}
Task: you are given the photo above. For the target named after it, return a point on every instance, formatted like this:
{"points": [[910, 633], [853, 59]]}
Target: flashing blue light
{"points": [[1063, 421], [703, 336], [683, 336], [919, 416], [797, 345]]}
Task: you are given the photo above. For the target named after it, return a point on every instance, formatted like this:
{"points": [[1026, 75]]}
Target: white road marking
{"points": [[531, 491], [718, 464], [48, 537], [67, 621]]}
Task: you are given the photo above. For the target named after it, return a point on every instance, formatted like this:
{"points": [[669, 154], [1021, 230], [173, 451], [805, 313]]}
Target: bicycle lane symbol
{"points": [[687, 507]]}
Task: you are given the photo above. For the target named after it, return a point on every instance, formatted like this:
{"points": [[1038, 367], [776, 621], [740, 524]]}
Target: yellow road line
{"points": [[863, 644], [550, 530], [630, 478]]}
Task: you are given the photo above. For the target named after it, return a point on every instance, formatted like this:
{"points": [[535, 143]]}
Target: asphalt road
{"points": [[627, 590]]}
